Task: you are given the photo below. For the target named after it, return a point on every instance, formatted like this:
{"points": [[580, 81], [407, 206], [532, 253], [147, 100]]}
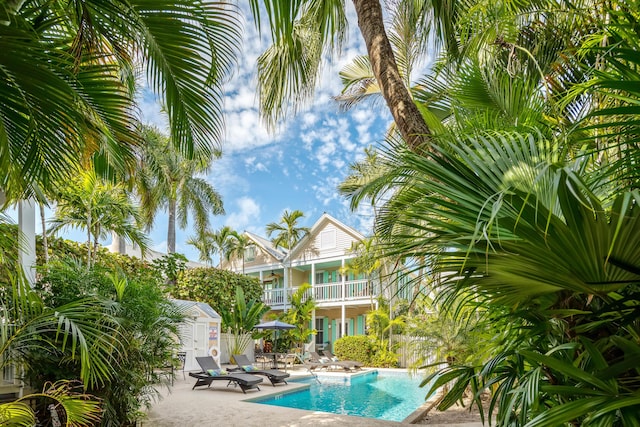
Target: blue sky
{"points": [[299, 166]]}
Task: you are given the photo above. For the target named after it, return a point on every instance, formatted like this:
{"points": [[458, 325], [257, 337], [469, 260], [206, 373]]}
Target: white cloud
{"points": [[248, 213], [252, 165]]}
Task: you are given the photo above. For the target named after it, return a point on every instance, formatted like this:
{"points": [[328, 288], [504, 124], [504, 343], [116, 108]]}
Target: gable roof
{"points": [[184, 306], [320, 223], [266, 245]]}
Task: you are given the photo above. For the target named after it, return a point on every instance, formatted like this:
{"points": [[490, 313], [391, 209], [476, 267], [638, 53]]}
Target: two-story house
{"points": [[321, 259]]}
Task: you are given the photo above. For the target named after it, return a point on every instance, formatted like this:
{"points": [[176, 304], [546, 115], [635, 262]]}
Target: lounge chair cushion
{"points": [[217, 372], [248, 368]]}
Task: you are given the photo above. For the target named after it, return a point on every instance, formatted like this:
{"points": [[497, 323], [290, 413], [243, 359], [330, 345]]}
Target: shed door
{"points": [[195, 339]]}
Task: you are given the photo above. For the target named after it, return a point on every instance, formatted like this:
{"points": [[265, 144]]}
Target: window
{"points": [[250, 254], [346, 328], [328, 239], [319, 277], [319, 328]]}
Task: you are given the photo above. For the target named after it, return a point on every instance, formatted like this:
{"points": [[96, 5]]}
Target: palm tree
{"points": [[300, 314], [409, 49], [210, 243], [82, 330], [98, 207], [238, 245], [287, 233], [167, 180], [68, 78], [306, 30], [522, 221]]}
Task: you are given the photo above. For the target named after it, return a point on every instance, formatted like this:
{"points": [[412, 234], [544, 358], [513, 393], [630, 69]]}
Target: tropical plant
{"points": [[170, 267], [305, 31], [237, 248], [300, 314], [168, 180], [147, 329], [97, 207], [82, 330], [67, 87], [287, 233], [240, 319], [354, 347]]}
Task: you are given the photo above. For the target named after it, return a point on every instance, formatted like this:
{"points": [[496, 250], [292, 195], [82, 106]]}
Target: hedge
{"points": [[215, 287], [354, 347]]}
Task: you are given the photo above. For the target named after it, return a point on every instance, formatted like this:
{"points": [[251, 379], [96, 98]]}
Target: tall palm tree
{"points": [[523, 222], [98, 207], [167, 180], [238, 245], [409, 50], [69, 70], [287, 233], [304, 31]]}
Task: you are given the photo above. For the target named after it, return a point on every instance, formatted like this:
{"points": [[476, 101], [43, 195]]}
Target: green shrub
{"points": [[148, 323], [355, 347], [215, 287], [383, 358]]}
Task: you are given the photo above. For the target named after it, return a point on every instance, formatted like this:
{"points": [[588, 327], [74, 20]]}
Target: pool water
{"points": [[385, 396]]}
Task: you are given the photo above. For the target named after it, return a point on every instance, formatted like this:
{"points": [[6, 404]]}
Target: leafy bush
{"points": [[147, 328], [356, 347], [381, 357], [215, 287]]}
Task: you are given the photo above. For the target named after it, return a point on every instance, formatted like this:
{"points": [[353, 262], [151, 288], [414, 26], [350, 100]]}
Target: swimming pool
{"points": [[383, 395]]}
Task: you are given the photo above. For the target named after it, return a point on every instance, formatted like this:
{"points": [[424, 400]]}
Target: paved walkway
{"points": [[228, 406]]}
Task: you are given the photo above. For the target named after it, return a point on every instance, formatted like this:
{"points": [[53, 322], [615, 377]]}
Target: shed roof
{"points": [[185, 305]]}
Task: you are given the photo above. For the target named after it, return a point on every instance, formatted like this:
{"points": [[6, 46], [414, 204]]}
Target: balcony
{"points": [[355, 290]]}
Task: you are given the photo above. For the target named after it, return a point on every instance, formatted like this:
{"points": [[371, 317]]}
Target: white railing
{"points": [[324, 292], [327, 292]]}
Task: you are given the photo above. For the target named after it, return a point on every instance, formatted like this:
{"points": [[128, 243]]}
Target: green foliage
{"points": [[81, 333], [382, 357], [215, 287], [239, 320], [299, 313], [147, 328], [73, 78], [170, 267], [355, 347], [457, 333]]}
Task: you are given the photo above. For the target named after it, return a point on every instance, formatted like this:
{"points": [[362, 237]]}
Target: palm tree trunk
{"points": [[88, 239], [45, 242], [171, 229], [405, 113]]}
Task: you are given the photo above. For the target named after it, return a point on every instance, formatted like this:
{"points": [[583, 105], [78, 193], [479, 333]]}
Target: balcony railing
{"points": [[324, 292]]}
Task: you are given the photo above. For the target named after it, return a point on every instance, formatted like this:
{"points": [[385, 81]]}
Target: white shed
{"points": [[200, 333]]}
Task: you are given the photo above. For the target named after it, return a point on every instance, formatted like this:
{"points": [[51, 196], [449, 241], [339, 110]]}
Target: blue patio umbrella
{"points": [[275, 325]]}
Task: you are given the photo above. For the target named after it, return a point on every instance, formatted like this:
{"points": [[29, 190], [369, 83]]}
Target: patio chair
{"points": [[275, 376], [211, 372], [352, 363], [315, 357], [288, 359]]}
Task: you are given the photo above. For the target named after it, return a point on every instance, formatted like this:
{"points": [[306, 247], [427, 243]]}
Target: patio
{"points": [[220, 406]]}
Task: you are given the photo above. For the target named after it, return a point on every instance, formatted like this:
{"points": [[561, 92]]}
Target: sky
{"points": [[299, 166], [261, 174]]}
